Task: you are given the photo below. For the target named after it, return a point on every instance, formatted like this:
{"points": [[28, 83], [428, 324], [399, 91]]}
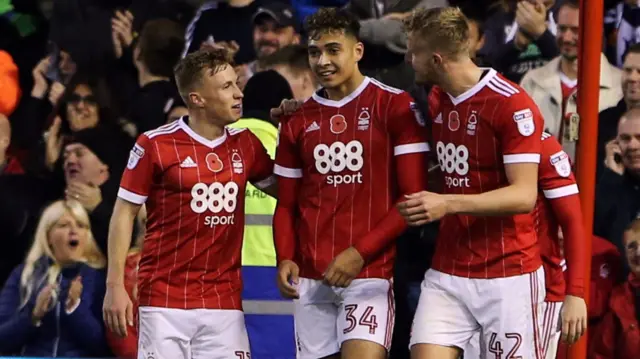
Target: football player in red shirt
{"points": [[343, 161], [191, 174], [486, 273], [558, 206]]}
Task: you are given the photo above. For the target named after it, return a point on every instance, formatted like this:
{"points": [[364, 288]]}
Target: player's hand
{"points": [[288, 278], [117, 309], [287, 107], [574, 319], [344, 268], [423, 207], [612, 149]]}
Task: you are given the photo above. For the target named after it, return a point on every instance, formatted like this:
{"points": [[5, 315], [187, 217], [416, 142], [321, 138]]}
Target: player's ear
{"points": [[358, 50], [196, 99], [437, 59]]}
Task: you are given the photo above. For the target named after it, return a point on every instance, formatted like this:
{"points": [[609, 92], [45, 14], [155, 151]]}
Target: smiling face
{"points": [[80, 164], [67, 238], [269, 36], [82, 109], [220, 95], [333, 57]]}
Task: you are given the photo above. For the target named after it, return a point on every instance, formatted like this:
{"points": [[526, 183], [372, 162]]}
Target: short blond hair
{"points": [[446, 29]]}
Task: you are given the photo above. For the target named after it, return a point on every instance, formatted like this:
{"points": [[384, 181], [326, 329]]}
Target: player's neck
{"points": [[347, 88], [462, 77], [202, 126]]}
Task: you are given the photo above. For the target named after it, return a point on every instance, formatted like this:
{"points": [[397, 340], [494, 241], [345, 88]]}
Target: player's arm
{"points": [[288, 169], [133, 192], [518, 130], [406, 127], [262, 175]]}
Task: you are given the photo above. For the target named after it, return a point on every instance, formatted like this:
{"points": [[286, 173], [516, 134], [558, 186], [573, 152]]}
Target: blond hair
{"points": [[93, 257], [445, 29]]}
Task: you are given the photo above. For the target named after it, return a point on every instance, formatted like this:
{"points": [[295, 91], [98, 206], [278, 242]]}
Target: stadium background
{"points": [[92, 43]]}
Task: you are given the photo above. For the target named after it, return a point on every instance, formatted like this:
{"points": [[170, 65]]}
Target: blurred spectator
{"points": [[553, 86], [476, 38], [382, 33], [609, 118], [9, 84], [127, 347], [274, 27], [51, 304], [292, 63], [217, 21], [617, 198], [305, 8], [618, 336], [257, 102], [9, 165], [520, 37], [621, 29], [156, 52]]}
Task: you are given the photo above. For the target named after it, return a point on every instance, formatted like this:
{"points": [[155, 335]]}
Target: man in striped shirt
{"points": [[191, 174]]}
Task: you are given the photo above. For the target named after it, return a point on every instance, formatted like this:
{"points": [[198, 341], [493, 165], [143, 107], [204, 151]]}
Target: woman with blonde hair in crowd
{"points": [[51, 304]]}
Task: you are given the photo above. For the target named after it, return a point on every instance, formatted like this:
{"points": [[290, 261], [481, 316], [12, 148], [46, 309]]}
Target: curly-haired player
{"points": [[343, 160]]}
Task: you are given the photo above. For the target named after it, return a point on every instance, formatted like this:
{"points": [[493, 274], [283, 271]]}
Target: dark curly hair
{"points": [[331, 19], [188, 72]]}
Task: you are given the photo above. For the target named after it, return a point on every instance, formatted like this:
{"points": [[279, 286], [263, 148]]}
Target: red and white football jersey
{"points": [[475, 135], [555, 180], [194, 192], [344, 152]]}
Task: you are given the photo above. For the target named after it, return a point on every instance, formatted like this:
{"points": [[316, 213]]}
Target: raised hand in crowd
{"points": [[40, 83], [53, 143], [121, 31], [531, 17], [613, 157], [75, 292], [89, 195], [55, 92], [44, 303], [287, 107]]}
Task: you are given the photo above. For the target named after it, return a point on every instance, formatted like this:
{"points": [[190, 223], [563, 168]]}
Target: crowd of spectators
{"points": [[80, 79]]}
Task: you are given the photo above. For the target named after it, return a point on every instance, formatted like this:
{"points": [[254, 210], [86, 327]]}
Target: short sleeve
{"points": [[555, 177], [519, 129], [406, 125], [288, 162], [137, 177], [261, 173]]}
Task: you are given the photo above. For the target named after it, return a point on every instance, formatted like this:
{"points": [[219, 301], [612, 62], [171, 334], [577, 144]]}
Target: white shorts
{"points": [[325, 316], [507, 312], [549, 333], [167, 333], [551, 329]]}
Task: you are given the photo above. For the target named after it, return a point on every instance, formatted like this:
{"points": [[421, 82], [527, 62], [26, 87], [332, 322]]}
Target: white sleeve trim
{"points": [[411, 148], [131, 197], [521, 158], [561, 191], [287, 172], [265, 182]]}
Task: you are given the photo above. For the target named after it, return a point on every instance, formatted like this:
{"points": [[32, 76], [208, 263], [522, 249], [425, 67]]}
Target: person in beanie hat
{"points": [[93, 162], [257, 102]]}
